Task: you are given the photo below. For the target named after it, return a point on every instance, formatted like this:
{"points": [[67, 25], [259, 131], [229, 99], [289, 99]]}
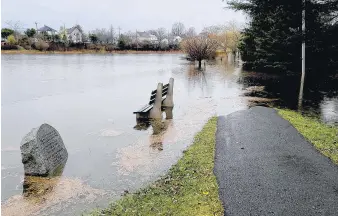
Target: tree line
{"points": [[271, 42], [106, 38], [111, 38]]}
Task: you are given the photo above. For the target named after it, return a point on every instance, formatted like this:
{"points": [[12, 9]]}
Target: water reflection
{"points": [[317, 98], [36, 187], [105, 152], [329, 110], [157, 124]]}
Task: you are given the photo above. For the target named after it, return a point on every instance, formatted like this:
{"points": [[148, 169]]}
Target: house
{"points": [[145, 36], [75, 34], [47, 30], [165, 41], [177, 39]]}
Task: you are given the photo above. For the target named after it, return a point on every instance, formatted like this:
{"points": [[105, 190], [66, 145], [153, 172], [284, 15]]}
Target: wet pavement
{"points": [[265, 167]]}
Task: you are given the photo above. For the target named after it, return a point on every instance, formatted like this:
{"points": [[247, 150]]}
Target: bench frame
{"points": [[166, 92]]}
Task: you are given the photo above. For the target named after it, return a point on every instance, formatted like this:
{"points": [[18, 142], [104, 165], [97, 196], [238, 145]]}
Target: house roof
{"points": [[46, 28], [70, 30], [143, 34]]}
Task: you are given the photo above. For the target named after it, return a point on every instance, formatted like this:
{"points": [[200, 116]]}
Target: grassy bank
{"points": [[323, 137], [189, 188], [85, 52]]}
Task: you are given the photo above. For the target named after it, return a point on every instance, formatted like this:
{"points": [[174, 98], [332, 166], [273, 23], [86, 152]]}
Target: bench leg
{"points": [[168, 112], [169, 100]]}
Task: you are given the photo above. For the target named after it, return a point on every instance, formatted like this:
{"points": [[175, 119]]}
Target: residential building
{"points": [[75, 34], [145, 36], [47, 30]]}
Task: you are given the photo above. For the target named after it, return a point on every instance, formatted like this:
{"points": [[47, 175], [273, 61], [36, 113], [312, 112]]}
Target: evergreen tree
{"points": [[272, 40]]}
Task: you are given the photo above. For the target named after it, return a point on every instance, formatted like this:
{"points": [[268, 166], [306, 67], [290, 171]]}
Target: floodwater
{"points": [[90, 100]]}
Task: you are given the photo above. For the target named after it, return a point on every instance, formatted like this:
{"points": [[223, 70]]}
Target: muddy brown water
{"points": [[90, 100]]}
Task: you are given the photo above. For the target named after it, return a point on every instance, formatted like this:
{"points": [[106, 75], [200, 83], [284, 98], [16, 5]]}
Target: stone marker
{"points": [[43, 152]]}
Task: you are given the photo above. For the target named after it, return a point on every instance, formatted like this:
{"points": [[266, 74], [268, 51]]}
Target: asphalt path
{"points": [[265, 167]]}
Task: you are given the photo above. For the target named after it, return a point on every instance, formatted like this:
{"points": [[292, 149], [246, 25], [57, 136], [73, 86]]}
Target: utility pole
{"points": [[111, 33], [119, 31], [136, 41], [300, 98], [303, 44]]}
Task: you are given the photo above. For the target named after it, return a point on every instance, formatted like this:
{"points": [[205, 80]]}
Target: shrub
{"points": [[11, 40], [24, 41], [27, 47], [110, 48], [20, 47], [9, 47], [90, 46], [41, 45]]}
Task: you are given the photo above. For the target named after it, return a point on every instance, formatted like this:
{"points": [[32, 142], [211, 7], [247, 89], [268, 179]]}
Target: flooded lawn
{"points": [[90, 100]]}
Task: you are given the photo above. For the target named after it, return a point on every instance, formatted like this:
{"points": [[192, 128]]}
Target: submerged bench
{"points": [[160, 98]]}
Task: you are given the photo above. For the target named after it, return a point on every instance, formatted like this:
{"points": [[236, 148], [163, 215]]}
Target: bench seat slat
{"points": [[146, 108]]}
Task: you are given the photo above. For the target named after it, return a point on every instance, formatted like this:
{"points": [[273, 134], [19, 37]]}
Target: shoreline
{"points": [[189, 187], [90, 52]]}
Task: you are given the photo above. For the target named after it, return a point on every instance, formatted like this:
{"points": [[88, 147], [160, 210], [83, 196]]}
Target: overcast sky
{"points": [[128, 14]]}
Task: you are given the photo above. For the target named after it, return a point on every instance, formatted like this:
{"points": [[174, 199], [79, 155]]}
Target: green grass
{"points": [[322, 136], [189, 188]]}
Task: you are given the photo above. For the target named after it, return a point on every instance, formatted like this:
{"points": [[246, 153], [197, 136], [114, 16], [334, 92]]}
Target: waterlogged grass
{"points": [[323, 137], [189, 188]]}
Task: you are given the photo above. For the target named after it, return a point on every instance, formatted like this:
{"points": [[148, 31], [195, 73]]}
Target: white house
{"points": [[177, 39], [145, 36], [165, 41], [75, 34]]}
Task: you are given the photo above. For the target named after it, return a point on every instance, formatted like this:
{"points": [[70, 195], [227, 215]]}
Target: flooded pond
{"points": [[90, 100]]}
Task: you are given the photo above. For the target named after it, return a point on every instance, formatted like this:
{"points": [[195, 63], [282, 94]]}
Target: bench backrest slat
{"points": [[153, 94], [164, 93]]}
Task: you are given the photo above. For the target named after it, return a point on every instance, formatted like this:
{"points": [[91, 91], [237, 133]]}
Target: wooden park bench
{"points": [[145, 110]]}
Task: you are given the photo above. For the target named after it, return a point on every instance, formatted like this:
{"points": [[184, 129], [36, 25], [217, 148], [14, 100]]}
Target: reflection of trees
{"points": [[196, 77], [286, 88]]}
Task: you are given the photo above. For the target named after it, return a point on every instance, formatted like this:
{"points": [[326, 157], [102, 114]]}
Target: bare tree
{"points": [[200, 48], [101, 34], [130, 35], [178, 29], [191, 32], [112, 34], [16, 26], [161, 34], [212, 30]]}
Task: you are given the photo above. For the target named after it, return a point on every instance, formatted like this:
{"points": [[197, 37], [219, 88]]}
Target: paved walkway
{"points": [[265, 167]]}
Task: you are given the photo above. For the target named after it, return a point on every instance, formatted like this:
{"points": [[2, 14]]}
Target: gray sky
{"points": [[128, 14]]}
